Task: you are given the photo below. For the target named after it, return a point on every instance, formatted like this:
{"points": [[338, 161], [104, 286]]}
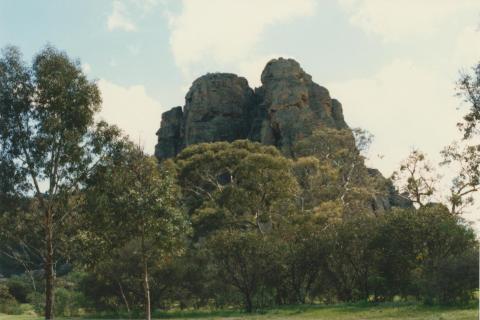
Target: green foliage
{"points": [[20, 287], [417, 178], [318, 181], [37, 301], [67, 302], [430, 239], [445, 241], [47, 111], [215, 178], [131, 206], [49, 145], [129, 198], [244, 260], [21, 236], [456, 278], [330, 168], [267, 230], [301, 249], [8, 304], [466, 163], [468, 88]]}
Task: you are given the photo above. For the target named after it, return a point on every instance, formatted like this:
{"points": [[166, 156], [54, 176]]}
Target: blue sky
{"points": [[392, 63]]}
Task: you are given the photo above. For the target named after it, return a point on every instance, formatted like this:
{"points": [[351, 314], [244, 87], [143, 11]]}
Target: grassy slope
{"points": [[338, 312]]}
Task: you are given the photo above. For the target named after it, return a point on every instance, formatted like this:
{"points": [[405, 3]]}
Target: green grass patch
{"points": [[356, 311]]}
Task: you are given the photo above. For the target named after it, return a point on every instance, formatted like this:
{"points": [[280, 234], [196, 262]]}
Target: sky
{"points": [[392, 63]]}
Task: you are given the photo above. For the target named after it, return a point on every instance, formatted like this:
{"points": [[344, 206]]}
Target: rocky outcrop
{"points": [[218, 107], [171, 133], [286, 108], [222, 107], [389, 197], [293, 105]]}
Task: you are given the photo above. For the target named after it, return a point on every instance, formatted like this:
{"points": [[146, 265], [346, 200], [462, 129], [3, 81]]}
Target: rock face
{"points": [[171, 133], [288, 106], [293, 105], [222, 107], [218, 107]]}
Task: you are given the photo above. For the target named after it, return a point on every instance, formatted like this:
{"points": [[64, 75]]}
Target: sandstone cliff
{"points": [[222, 107]]}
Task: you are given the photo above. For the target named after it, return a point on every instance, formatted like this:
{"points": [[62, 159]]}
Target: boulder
{"points": [[217, 108]]}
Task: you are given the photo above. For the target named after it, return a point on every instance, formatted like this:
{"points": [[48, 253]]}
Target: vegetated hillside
{"points": [[289, 111]]}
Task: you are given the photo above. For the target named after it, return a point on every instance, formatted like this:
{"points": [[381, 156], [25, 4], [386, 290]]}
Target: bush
{"points": [[456, 279], [19, 287], [67, 302], [8, 304], [37, 300]]}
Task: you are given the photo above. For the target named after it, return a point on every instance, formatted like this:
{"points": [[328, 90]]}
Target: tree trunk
{"points": [[125, 301], [34, 285], [248, 303], [49, 273], [146, 287]]}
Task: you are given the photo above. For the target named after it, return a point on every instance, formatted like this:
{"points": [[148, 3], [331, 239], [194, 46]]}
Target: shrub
{"points": [[19, 287], [37, 300], [456, 279], [8, 304]]}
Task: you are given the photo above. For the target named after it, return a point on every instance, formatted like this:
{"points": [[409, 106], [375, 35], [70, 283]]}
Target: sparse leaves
{"points": [[468, 88], [465, 160], [417, 178]]}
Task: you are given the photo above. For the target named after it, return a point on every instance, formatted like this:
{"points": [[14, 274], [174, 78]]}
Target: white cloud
{"points": [[133, 111], [123, 11], [395, 20], [222, 33], [404, 105], [119, 18], [145, 5]]}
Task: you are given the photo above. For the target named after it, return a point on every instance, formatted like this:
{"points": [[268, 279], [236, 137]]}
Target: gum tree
{"points": [[130, 202], [49, 142]]}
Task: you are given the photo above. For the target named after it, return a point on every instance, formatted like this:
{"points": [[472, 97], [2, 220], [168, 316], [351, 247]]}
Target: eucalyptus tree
{"points": [[49, 141], [466, 155], [417, 178], [240, 184], [468, 88], [130, 201], [243, 260], [330, 168], [465, 161]]}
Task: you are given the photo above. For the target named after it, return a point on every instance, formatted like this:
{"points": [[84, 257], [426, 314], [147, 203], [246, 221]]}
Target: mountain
{"points": [[222, 107], [285, 109]]}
